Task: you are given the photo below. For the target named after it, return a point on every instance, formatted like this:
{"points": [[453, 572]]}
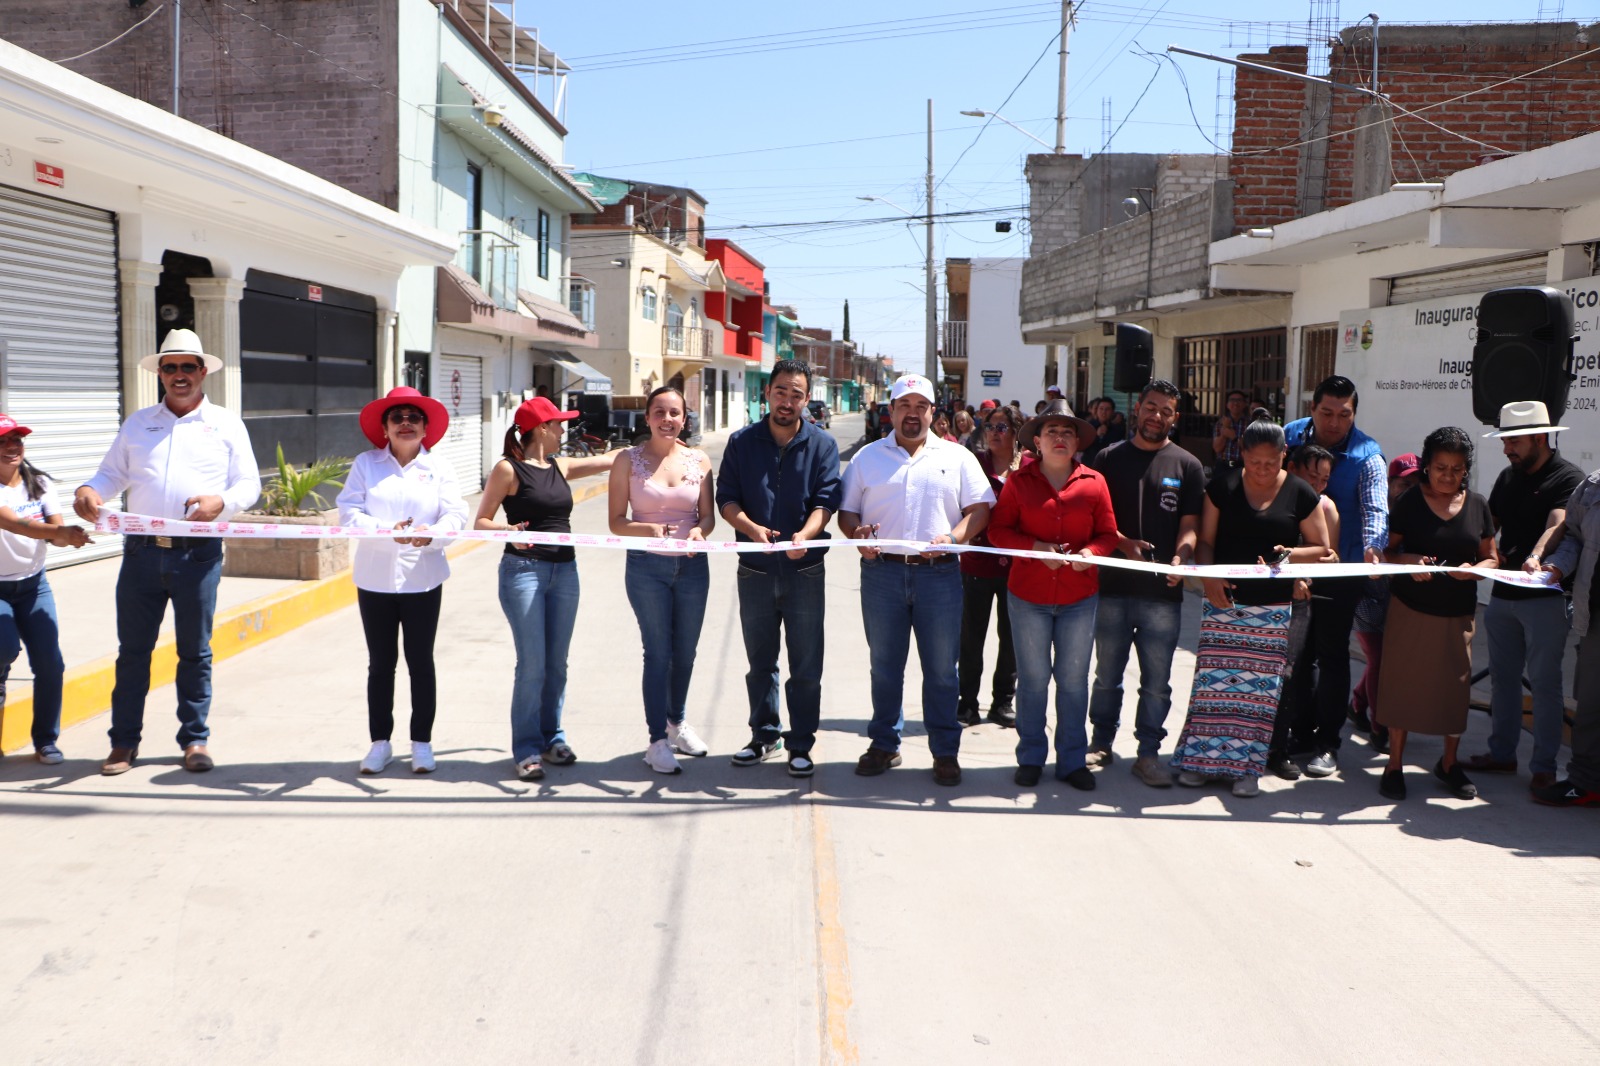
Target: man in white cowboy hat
{"points": [[184, 458], [1527, 628], [913, 486]]}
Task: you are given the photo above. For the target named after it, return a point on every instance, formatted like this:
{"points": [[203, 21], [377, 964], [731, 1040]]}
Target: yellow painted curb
{"points": [[86, 690]]}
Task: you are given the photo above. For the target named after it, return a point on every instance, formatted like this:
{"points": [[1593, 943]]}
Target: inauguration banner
{"points": [[1413, 366]]}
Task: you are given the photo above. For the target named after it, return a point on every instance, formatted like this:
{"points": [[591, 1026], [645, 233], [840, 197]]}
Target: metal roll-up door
{"points": [[460, 389], [1476, 278], [60, 373]]}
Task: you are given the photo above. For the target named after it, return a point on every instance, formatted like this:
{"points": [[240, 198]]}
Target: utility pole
{"points": [[931, 356], [1061, 79], [177, 42]]}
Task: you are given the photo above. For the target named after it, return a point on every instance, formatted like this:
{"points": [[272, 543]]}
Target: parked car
{"points": [[819, 414]]}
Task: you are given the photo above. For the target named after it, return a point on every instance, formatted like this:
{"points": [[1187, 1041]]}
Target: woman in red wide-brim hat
{"points": [[401, 485]]}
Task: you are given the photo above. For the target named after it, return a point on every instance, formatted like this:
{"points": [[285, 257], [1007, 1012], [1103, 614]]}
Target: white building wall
{"points": [[994, 336]]}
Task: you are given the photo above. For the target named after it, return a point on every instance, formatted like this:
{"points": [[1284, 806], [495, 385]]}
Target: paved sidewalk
{"points": [[282, 909]]}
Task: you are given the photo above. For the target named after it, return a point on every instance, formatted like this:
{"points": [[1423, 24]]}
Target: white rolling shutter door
{"points": [[59, 359], [460, 389], [1463, 280]]}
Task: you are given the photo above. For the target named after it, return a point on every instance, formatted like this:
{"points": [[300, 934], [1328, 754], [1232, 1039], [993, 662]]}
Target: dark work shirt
{"points": [[1245, 534], [1522, 503], [780, 487], [543, 499], [1150, 492], [1452, 541]]}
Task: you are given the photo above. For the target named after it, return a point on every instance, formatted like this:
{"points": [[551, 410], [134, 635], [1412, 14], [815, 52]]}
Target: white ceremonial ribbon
{"points": [[143, 525]]}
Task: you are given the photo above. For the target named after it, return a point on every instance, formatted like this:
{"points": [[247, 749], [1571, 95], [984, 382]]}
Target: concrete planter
{"points": [[305, 560]]}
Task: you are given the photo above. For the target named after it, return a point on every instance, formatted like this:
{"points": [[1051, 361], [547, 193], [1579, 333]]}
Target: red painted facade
{"points": [[740, 307]]}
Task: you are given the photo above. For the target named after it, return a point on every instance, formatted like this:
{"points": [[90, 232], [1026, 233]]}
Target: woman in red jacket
{"points": [[1054, 505]]}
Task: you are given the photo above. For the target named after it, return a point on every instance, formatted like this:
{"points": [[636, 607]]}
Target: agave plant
{"points": [[287, 491]]}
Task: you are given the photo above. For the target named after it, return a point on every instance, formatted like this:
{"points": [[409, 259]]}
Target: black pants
{"points": [[1299, 637], [384, 616], [1318, 698], [977, 594]]}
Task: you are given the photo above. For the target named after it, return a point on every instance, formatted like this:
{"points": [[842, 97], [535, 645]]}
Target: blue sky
{"points": [[789, 137]]}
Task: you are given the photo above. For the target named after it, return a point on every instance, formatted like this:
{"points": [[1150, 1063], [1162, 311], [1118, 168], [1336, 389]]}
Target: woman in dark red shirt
{"points": [[1054, 505]]}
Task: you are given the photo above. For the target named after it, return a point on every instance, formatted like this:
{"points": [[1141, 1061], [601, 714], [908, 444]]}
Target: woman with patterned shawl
{"points": [[1252, 514]]}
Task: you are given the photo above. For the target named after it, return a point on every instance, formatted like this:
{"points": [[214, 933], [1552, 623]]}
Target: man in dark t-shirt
{"points": [[1157, 492], [1527, 628]]}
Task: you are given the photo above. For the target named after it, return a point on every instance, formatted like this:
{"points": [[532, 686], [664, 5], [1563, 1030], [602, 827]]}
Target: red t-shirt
{"points": [[1079, 517]]}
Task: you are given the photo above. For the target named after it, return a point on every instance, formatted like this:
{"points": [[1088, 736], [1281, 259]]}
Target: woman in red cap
{"points": [[31, 521], [401, 484], [538, 582]]}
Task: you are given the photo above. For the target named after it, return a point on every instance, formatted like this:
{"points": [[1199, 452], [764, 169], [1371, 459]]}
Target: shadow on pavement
{"points": [[1505, 818]]}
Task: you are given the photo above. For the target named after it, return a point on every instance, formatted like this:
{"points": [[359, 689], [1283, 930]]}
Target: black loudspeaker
{"points": [[1135, 358], [1523, 351]]}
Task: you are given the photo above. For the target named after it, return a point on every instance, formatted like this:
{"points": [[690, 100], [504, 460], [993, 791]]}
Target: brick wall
{"points": [[329, 114], [1419, 67], [1158, 252]]}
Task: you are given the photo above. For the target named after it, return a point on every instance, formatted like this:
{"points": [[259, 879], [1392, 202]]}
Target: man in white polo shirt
{"points": [[185, 457], [913, 486]]}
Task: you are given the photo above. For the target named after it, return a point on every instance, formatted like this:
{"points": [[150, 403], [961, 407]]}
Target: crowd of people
{"points": [[1271, 690]]}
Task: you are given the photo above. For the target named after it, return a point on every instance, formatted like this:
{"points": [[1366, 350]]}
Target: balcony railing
{"points": [[580, 301], [493, 260], [955, 340], [687, 342]]}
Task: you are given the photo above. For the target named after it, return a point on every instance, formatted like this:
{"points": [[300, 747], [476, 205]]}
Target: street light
{"points": [[1008, 122], [931, 295]]}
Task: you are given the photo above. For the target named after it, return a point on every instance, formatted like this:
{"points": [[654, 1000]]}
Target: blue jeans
{"points": [[897, 601], [1529, 634], [1149, 627], [540, 599], [791, 598], [668, 594], [28, 618], [1053, 640], [150, 578]]}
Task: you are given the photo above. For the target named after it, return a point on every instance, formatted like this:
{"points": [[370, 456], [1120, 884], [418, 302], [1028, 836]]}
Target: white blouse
{"points": [[380, 493]]}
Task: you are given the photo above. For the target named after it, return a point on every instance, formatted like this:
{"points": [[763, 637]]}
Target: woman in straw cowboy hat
{"points": [[401, 485]]}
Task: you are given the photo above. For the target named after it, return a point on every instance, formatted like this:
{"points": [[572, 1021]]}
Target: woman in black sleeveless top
{"points": [[538, 582]]}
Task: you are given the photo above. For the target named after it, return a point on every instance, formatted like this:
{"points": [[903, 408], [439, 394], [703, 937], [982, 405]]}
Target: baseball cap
{"points": [[987, 405], [539, 410], [1402, 465], [909, 383], [10, 425], [1054, 390]]}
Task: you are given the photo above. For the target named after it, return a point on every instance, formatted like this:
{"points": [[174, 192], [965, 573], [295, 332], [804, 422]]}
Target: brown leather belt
{"points": [[181, 543]]}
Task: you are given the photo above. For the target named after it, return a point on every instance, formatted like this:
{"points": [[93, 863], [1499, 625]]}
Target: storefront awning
{"points": [[593, 380]]}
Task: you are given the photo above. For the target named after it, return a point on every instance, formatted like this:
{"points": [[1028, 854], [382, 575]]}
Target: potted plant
{"points": [[290, 497]]}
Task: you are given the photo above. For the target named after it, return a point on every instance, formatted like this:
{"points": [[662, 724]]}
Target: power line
{"points": [[117, 38]]}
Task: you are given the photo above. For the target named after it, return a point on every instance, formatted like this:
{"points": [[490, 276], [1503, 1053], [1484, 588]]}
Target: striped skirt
{"points": [[1238, 671]]}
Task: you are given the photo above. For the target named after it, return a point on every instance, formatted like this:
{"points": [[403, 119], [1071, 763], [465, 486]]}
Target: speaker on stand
{"points": [[1523, 350], [1135, 358]]}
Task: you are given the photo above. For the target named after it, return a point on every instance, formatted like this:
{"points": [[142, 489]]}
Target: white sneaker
{"points": [[660, 758], [684, 739], [1190, 779], [1247, 786], [421, 757], [378, 757]]}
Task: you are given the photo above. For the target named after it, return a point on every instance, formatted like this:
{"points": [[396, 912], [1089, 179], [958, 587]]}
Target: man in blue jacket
{"points": [[1359, 490], [780, 482]]}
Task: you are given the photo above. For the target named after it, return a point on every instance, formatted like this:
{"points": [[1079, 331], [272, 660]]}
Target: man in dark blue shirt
{"points": [[780, 482]]}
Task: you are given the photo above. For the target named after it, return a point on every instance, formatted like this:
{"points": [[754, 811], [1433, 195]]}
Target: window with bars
{"points": [[1080, 381], [1318, 347], [1210, 367]]}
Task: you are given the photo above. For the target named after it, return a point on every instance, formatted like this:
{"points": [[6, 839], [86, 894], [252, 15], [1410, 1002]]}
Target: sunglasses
{"points": [[179, 368], [998, 427], [413, 417]]}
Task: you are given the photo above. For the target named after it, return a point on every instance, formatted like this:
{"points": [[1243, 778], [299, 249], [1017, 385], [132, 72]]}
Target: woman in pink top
{"points": [[662, 488]]}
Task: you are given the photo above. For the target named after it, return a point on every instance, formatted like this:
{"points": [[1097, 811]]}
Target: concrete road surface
{"points": [[284, 910]]}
